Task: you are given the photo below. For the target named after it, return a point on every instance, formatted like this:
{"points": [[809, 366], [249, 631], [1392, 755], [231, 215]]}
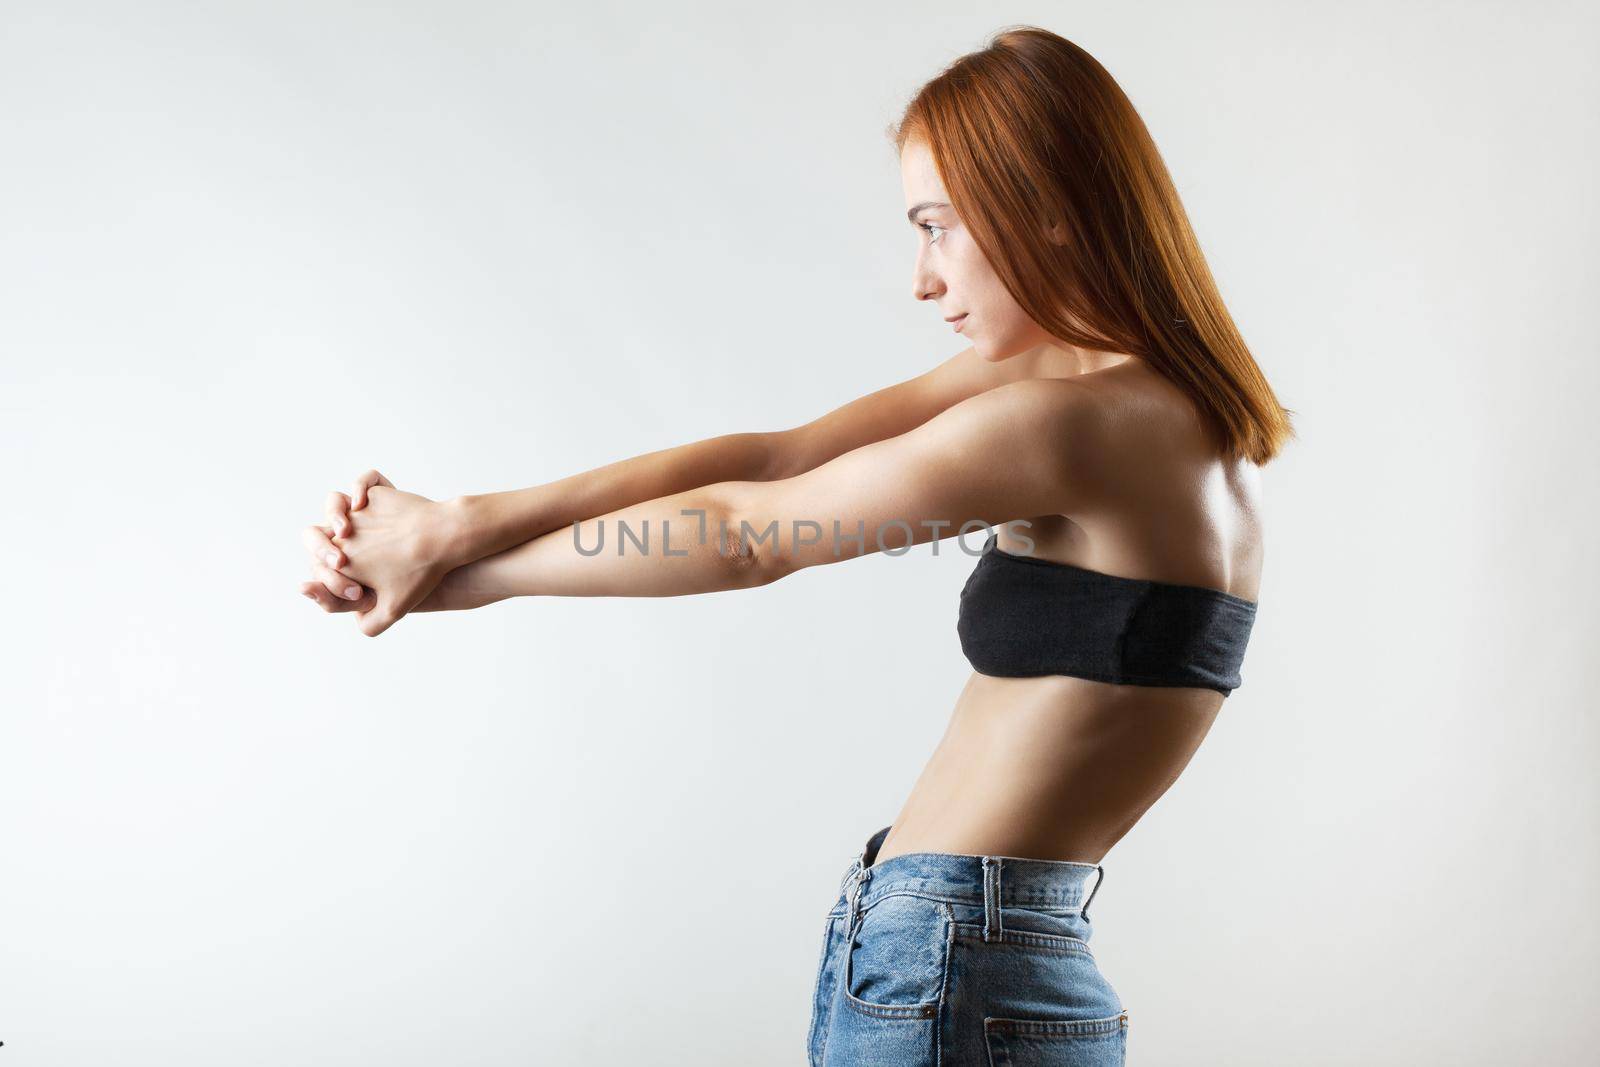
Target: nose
{"points": [[925, 283]]}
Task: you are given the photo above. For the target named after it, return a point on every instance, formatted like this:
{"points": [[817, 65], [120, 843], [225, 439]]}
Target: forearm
{"points": [[489, 523], [691, 545]]}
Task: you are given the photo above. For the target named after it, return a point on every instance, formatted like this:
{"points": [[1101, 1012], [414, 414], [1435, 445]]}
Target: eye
{"points": [[930, 227]]}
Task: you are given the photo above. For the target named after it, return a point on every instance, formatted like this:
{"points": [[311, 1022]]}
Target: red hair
{"points": [[1061, 186]]}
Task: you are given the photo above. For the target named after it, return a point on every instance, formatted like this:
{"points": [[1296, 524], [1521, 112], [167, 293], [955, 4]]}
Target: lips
{"points": [[958, 322]]}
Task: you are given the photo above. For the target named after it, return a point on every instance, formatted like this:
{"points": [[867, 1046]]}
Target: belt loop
{"points": [[993, 929], [861, 875], [1083, 912]]}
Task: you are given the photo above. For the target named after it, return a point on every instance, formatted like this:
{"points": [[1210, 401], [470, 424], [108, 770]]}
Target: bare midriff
{"points": [[1058, 767], [1053, 768]]}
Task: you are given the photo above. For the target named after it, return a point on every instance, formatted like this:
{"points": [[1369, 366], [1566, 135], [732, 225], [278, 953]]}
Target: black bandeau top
{"points": [[1022, 617]]}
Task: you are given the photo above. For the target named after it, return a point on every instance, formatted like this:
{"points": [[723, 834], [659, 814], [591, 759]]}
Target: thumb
{"points": [[374, 620], [363, 483]]}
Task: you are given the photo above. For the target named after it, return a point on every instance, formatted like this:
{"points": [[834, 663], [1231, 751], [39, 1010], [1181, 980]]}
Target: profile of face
{"points": [[953, 272]]}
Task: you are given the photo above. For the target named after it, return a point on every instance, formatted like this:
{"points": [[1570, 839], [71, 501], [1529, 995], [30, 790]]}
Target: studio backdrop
{"points": [[250, 250]]}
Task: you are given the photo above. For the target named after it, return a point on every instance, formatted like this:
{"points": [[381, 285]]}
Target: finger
{"points": [[318, 594], [340, 585], [321, 547], [333, 604], [337, 509], [366, 481], [314, 592]]}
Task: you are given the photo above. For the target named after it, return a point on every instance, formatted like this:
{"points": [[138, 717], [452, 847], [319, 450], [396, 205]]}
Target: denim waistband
{"points": [[989, 881]]}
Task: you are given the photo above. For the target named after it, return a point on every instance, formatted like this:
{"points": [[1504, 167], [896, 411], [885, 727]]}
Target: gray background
{"points": [[251, 250]]}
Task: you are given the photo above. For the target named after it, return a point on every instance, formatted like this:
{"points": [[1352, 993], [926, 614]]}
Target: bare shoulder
{"points": [[1142, 418], [1051, 426], [1134, 397], [1166, 504], [1059, 411], [884, 413]]}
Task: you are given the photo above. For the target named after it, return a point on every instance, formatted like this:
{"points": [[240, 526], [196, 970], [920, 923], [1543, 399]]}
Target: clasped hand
{"points": [[381, 555]]}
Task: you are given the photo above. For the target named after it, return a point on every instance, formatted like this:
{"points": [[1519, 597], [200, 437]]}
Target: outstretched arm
{"points": [[443, 537], [492, 522], [1017, 450]]}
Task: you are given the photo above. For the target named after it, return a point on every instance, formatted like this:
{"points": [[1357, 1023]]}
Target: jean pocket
{"points": [[1057, 1042], [1038, 987], [895, 965]]}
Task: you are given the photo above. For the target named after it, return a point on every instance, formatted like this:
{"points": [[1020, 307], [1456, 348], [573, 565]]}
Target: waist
{"points": [[1053, 768], [1009, 881]]}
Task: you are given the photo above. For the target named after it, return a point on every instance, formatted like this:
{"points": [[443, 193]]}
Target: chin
{"points": [[996, 353]]}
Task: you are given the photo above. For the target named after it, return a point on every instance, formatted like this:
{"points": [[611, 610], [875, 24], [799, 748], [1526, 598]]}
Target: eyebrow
{"points": [[911, 215]]}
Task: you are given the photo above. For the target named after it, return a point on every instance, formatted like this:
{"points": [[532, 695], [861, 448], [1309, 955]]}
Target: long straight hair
{"points": [[1061, 185]]}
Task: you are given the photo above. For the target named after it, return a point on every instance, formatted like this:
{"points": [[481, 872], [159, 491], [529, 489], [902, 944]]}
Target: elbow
{"points": [[752, 550]]}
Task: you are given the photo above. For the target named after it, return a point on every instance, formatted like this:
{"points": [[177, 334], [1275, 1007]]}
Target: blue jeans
{"points": [[934, 959]]}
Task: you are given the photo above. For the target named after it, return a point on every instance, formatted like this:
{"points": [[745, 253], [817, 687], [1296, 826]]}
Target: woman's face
{"points": [[953, 273]]}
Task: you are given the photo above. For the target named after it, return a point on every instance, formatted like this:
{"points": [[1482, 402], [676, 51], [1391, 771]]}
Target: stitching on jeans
{"points": [[944, 985], [999, 888], [968, 902], [989, 904], [928, 1009], [1079, 1027], [1033, 938], [1083, 912], [817, 995], [971, 856]]}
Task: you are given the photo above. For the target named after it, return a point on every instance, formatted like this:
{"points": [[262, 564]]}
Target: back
{"points": [[1061, 767], [1162, 505]]}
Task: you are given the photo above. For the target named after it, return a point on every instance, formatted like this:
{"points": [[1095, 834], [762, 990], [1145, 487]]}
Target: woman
{"points": [[1107, 412]]}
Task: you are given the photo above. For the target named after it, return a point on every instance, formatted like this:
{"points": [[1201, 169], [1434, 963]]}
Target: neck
{"points": [[1066, 361]]}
